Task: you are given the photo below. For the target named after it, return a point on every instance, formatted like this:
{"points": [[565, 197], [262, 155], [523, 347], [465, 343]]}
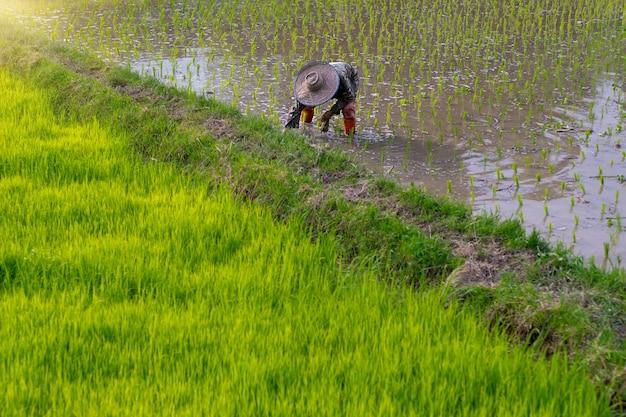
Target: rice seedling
{"points": [[606, 260]]}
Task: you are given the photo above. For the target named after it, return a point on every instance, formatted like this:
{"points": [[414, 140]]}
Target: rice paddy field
{"points": [[129, 288], [514, 107], [162, 253]]}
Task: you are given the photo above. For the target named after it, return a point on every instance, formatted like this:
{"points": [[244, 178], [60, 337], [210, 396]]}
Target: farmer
{"points": [[319, 82]]}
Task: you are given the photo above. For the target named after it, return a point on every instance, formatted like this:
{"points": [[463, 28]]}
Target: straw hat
{"points": [[316, 83]]}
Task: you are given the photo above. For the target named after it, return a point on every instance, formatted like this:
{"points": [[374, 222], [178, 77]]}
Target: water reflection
{"points": [[527, 131], [582, 203]]}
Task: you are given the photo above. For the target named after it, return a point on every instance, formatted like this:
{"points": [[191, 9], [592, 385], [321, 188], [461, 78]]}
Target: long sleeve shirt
{"points": [[348, 85]]}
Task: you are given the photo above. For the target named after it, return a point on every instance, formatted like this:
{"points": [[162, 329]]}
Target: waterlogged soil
{"points": [[555, 161], [562, 162]]}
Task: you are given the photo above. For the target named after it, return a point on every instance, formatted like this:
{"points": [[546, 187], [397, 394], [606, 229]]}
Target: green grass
{"points": [[129, 288], [554, 301]]}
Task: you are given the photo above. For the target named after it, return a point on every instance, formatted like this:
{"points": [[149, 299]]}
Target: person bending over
{"points": [[319, 82]]}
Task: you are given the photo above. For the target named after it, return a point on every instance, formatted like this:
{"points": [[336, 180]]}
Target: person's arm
{"points": [[325, 119], [353, 75], [294, 117], [341, 102]]}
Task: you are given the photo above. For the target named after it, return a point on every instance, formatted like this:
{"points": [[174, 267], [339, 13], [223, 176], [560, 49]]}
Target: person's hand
{"points": [[324, 125], [324, 121]]}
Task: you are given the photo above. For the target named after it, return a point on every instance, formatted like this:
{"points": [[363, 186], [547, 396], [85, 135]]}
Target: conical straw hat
{"points": [[316, 83]]}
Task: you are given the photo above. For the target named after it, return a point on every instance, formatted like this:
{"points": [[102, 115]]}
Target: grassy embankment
{"points": [[404, 235], [128, 288]]}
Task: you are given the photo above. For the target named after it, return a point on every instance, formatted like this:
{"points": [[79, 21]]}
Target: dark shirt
{"points": [[348, 85]]}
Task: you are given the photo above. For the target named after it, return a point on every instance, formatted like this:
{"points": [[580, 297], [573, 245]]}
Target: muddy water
{"points": [[582, 203], [478, 164], [551, 157]]}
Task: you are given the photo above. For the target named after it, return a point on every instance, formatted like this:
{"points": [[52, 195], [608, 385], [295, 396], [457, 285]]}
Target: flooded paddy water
{"points": [[518, 109]]}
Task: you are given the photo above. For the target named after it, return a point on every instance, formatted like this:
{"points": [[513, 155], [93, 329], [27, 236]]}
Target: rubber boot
{"points": [[349, 118], [349, 126], [307, 114]]}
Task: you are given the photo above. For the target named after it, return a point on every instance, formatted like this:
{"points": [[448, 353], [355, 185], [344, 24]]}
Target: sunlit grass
{"points": [[127, 288]]}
